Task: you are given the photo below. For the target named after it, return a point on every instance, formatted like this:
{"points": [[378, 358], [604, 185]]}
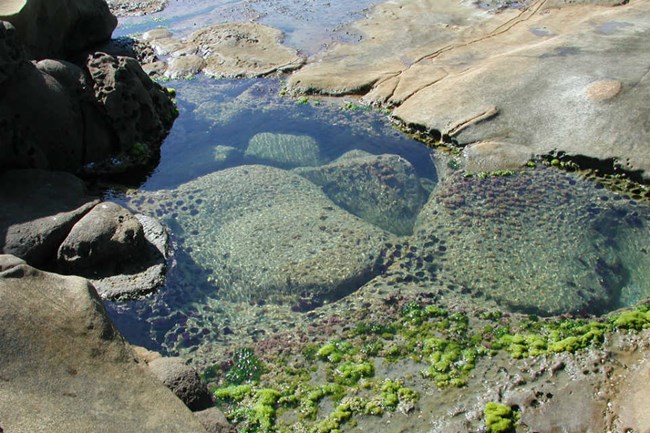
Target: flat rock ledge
{"points": [[554, 75]]}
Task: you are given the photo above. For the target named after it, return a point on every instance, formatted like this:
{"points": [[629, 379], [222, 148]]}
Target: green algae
{"points": [[335, 382], [500, 418], [246, 367]]}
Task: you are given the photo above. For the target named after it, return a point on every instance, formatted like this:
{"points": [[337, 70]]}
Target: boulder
{"points": [[269, 234], [285, 150], [11, 52], [214, 421], [383, 190], [39, 210], [64, 366], [183, 381], [107, 234], [58, 28]]}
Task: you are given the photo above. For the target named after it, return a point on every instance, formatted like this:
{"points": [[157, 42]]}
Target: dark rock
{"points": [[108, 233], [60, 349], [33, 228], [138, 109], [183, 380], [57, 28], [11, 52], [214, 421]]}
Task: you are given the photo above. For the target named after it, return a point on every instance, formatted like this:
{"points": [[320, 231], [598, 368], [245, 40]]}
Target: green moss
{"points": [[349, 373], [635, 320], [334, 351], [233, 393], [499, 418]]}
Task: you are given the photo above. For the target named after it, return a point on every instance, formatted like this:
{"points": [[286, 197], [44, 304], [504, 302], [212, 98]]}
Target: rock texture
{"points": [[383, 190], [183, 381], [538, 242], [532, 77], [65, 368], [285, 150], [233, 50], [58, 28], [269, 234]]}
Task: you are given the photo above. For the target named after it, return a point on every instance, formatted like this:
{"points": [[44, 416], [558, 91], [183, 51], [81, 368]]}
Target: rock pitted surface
{"points": [[65, 368], [537, 242], [383, 190], [532, 77], [270, 234]]}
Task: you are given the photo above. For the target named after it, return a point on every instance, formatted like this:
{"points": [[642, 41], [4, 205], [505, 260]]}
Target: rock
{"points": [[184, 66], [11, 52], [57, 28], [60, 349], [139, 276], [239, 50], [183, 381], [123, 8], [533, 77], [536, 242], [489, 156], [269, 234], [107, 234], [214, 421], [138, 109], [145, 355], [383, 190], [631, 402], [39, 210], [152, 35], [285, 150]]}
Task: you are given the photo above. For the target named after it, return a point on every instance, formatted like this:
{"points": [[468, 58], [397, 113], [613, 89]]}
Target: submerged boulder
{"points": [[285, 150], [269, 234], [64, 366], [381, 189]]}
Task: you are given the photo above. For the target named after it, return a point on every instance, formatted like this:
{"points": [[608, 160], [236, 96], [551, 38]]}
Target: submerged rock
{"points": [[285, 150], [383, 190], [536, 242], [270, 234], [60, 349]]}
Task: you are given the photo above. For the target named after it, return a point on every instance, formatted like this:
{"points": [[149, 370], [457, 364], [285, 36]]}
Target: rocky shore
{"points": [[375, 330]]}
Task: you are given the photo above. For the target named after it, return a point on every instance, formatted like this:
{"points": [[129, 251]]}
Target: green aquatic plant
{"points": [[500, 418], [303, 100], [246, 367]]}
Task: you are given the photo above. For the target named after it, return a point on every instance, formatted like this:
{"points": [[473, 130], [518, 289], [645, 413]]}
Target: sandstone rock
{"points": [[214, 421], [383, 190], [489, 156], [184, 66], [59, 349], [533, 76], [152, 35], [107, 234], [56, 28], [143, 274], [285, 150], [39, 210], [183, 381], [632, 400], [269, 234], [123, 8], [139, 110], [244, 50]]}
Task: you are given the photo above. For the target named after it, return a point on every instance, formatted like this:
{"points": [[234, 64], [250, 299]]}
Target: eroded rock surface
{"points": [[532, 77], [65, 368], [270, 234], [383, 190]]}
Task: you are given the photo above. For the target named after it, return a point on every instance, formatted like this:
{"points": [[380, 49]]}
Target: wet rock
{"points": [[535, 242], [138, 109], [183, 381], [533, 76], [39, 210], [238, 50], [57, 28], [59, 348], [108, 233], [214, 421], [269, 234], [184, 66], [285, 150], [383, 190]]}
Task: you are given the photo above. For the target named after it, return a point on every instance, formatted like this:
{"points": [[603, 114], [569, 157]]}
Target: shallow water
{"points": [[277, 206]]}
